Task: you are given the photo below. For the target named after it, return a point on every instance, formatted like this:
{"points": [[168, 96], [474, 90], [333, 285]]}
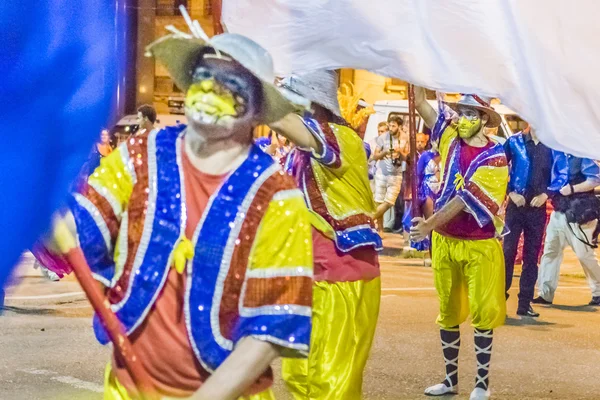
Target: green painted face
{"points": [[468, 126]]}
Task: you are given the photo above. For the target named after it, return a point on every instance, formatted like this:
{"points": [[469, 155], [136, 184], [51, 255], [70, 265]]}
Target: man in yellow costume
{"points": [[202, 243], [467, 257], [330, 166]]}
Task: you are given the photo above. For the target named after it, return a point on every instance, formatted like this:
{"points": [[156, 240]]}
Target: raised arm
{"points": [[380, 151], [293, 128], [425, 110]]}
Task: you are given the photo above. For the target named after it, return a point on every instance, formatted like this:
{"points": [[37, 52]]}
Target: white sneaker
{"points": [[441, 389], [51, 275], [480, 394]]}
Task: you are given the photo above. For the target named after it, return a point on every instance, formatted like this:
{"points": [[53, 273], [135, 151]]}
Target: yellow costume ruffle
{"points": [[344, 319], [469, 278]]}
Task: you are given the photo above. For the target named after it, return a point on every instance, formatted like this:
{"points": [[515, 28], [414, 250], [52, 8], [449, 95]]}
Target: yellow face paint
{"points": [[208, 97], [468, 128]]}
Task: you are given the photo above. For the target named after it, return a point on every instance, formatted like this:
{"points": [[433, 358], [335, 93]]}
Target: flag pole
{"points": [[412, 121], [113, 326], [72, 254]]}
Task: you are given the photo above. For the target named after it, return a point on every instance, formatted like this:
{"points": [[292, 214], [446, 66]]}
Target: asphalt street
{"points": [[49, 352]]}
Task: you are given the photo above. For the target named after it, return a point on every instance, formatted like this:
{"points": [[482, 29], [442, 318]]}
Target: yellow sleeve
{"points": [[98, 209], [276, 303]]}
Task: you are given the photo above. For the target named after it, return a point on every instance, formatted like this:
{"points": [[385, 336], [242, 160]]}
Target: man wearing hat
{"points": [[202, 243], [467, 257], [330, 165]]}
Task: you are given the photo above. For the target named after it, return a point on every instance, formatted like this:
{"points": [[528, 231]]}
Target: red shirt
{"points": [[464, 225], [332, 265]]}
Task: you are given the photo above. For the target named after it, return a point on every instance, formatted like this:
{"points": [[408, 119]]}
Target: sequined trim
{"points": [[296, 290], [188, 289], [167, 165], [123, 249], [342, 228], [137, 208], [101, 279], [279, 272], [103, 207], [483, 196], [148, 225], [214, 239], [91, 239], [359, 236], [327, 156], [182, 196], [227, 254], [301, 347], [161, 232], [110, 199], [128, 162], [95, 214], [287, 194], [248, 312]]}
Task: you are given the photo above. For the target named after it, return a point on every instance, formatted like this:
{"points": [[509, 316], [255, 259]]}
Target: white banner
{"points": [[540, 57]]}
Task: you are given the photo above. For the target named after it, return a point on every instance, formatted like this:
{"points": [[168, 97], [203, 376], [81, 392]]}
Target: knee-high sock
{"points": [[450, 348], [483, 353]]}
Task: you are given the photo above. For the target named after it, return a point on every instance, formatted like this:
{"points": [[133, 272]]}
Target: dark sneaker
{"points": [[541, 300], [527, 312], [595, 301]]}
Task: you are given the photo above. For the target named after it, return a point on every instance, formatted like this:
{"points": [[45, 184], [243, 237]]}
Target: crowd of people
{"points": [[219, 255]]}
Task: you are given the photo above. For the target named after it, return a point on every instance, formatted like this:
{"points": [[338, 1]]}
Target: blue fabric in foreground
{"points": [[57, 85]]}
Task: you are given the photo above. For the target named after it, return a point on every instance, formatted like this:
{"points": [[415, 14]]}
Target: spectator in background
{"points": [[388, 175], [403, 220], [146, 118], [572, 223], [104, 147], [382, 128], [530, 172]]}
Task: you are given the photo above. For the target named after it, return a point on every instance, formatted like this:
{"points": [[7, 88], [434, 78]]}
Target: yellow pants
{"points": [[469, 278], [344, 320], [113, 390]]}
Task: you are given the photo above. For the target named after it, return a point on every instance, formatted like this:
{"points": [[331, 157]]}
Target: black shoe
{"points": [[527, 312], [595, 301], [541, 300]]}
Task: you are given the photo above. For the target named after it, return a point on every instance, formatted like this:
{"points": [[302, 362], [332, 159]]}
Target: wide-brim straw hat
{"points": [[179, 56], [319, 87], [480, 103]]}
